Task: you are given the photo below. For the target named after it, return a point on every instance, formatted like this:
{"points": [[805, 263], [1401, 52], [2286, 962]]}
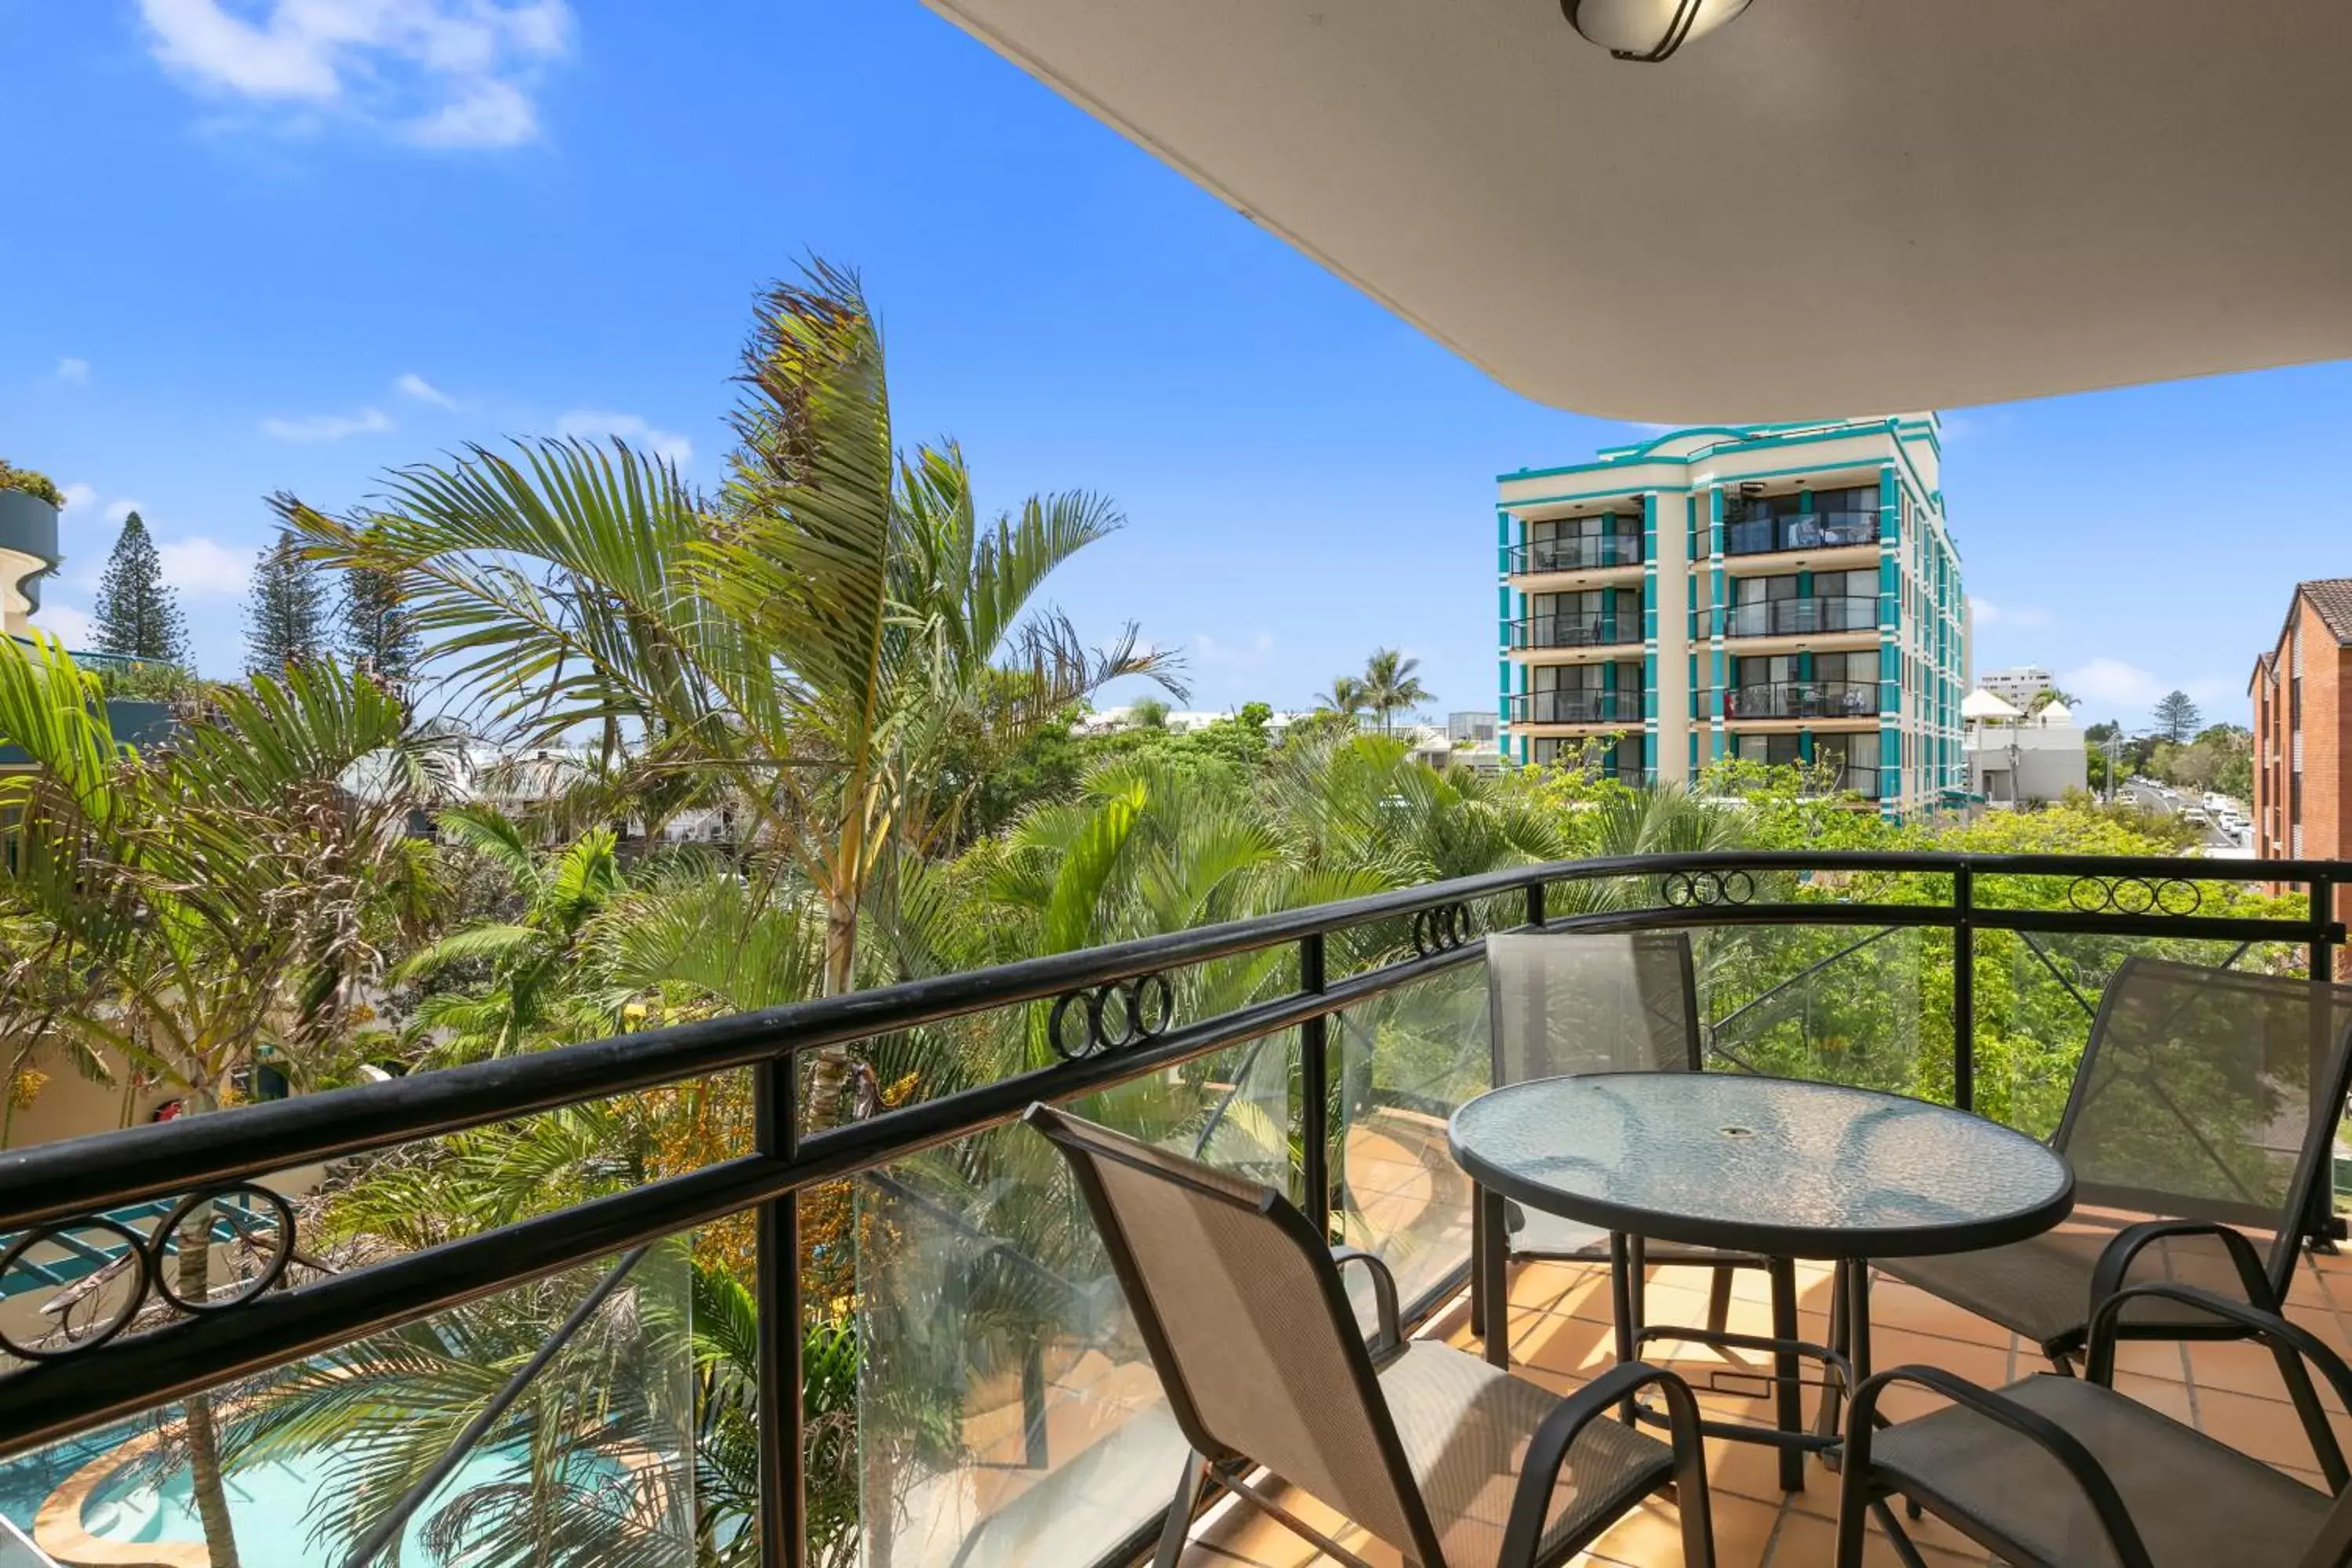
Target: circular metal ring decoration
{"points": [[2091, 895], [1442, 930], [118, 1286], [1704, 889], [1118, 1016], [2135, 895], [262, 1227]]}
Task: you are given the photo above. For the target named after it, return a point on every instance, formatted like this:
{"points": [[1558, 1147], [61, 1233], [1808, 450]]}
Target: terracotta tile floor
{"points": [[1560, 1336]]}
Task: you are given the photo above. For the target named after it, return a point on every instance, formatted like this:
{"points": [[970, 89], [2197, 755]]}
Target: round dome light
{"points": [[1648, 30]]}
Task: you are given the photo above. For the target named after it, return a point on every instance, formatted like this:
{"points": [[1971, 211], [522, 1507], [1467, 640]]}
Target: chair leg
{"points": [[1833, 1398], [1173, 1534], [1853, 1507], [1718, 1302]]}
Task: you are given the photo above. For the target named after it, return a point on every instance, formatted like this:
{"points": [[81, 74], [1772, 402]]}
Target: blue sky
{"points": [[284, 244]]}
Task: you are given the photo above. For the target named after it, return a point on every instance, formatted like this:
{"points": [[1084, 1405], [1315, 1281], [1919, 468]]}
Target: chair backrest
{"points": [[1563, 1003], [2210, 1094], [1242, 1309]]}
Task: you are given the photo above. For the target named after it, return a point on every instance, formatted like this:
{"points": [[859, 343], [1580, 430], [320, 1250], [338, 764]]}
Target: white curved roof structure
{"points": [[1982, 706], [1828, 208]]}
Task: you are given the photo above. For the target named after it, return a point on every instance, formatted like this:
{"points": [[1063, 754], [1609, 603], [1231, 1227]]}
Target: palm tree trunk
{"points": [[829, 1074], [204, 1438]]}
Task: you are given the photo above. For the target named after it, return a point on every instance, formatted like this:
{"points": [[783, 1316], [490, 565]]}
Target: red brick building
{"points": [[2302, 691]]}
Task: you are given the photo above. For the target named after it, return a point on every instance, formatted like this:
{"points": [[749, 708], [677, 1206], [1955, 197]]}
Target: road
{"points": [[2150, 798]]}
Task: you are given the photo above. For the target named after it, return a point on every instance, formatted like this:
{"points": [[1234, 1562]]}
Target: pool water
{"points": [[268, 1505]]}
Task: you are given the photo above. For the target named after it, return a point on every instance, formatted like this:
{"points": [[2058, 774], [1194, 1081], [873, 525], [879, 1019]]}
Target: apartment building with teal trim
{"points": [[1785, 593]]}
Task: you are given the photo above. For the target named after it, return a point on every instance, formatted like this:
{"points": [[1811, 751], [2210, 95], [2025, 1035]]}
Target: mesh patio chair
{"points": [[2201, 1119], [1451, 1462], [1565, 1004], [2065, 1472]]}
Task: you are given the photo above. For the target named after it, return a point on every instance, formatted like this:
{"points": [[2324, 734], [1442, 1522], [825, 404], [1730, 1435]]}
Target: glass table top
{"points": [[1778, 1166]]}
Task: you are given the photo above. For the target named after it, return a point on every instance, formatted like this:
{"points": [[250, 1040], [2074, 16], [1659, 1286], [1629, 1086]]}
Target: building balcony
{"points": [[998, 1405], [1580, 554], [1617, 706], [1801, 618], [1802, 700], [1582, 631], [1800, 531]]}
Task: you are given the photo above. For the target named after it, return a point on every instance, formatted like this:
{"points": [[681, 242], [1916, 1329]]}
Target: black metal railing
{"points": [[1800, 530], [1579, 554], [1796, 617], [1802, 700], [1589, 630], [1617, 705], [1110, 1017]]}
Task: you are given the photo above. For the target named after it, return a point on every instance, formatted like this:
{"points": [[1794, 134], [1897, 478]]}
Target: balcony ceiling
{"points": [[1830, 207]]}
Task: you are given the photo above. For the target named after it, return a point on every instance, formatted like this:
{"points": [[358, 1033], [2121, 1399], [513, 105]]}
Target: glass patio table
{"points": [[1774, 1168]]}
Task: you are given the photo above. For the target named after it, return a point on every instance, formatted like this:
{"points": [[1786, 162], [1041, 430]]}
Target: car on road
{"points": [[2194, 816]]}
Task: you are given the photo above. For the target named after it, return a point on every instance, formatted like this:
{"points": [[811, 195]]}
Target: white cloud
{"points": [[2113, 680], [440, 73], [490, 114], [2127, 685], [328, 426], [415, 385], [203, 568], [73, 371], [591, 424], [1248, 655], [79, 499], [63, 622], [1986, 614]]}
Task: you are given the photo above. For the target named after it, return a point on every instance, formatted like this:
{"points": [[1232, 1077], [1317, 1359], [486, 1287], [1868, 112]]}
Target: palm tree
{"points": [[816, 633], [1346, 697], [216, 902], [1390, 686], [534, 957]]}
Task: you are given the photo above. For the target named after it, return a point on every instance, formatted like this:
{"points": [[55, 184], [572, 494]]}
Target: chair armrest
{"points": [[1548, 1451], [2293, 1344], [2097, 1487], [1388, 1332], [2115, 1262]]}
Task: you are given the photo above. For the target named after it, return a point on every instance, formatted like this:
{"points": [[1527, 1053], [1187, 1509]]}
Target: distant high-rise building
{"points": [[1784, 592], [2019, 685]]}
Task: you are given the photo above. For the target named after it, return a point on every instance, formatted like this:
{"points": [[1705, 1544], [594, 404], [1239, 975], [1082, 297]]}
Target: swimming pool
{"points": [[271, 1504], [269, 1507]]}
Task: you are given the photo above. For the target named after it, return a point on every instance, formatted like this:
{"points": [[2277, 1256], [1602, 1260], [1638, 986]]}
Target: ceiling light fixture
{"points": [[1647, 30]]}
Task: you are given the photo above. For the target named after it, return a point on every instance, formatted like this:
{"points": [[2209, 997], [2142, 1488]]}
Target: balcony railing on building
{"points": [[1802, 700], [1800, 530], [1004, 1410], [1579, 553], [1577, 706], [1797, 618], [1574, 631]]}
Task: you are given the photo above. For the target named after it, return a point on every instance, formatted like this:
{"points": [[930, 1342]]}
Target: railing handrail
{"points": [[54, 1181], [1620, 703], [1604, 549], [56, 1397], [1610, 628]]}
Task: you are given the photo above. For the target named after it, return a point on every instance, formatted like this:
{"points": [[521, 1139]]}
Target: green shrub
{"points": [[32, 481]]}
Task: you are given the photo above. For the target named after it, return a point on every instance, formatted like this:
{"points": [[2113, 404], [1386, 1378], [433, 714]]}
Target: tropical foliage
{"points": [[817, 730]]}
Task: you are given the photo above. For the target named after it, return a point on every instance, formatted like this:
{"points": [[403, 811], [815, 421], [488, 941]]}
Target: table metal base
{"points": [[1490, 1318]]}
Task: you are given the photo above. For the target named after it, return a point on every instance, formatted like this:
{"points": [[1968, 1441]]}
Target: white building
{"points": [[2018, 758], [2018, 685]]}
